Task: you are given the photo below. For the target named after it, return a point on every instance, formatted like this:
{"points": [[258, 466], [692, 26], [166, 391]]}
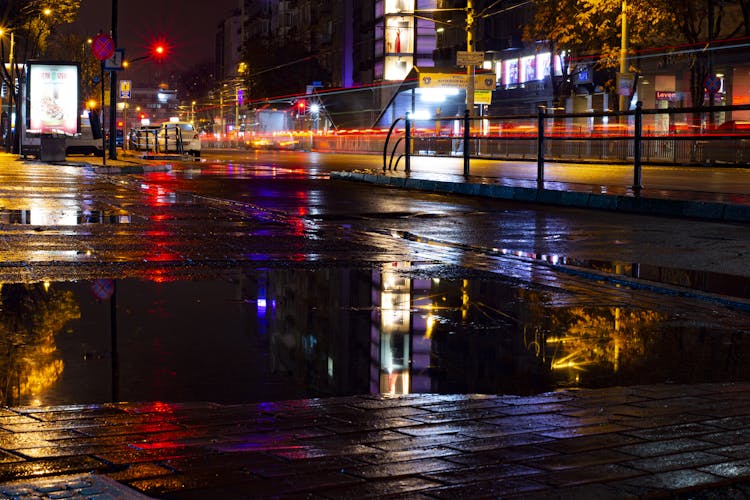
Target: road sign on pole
{"points": [[125, 89], [102, 46], [465, 58], [712, 84], [114, 63]]}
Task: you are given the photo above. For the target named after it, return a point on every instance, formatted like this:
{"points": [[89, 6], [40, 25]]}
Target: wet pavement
{"points": [[645, 441], [365, 440], [720, 193]]}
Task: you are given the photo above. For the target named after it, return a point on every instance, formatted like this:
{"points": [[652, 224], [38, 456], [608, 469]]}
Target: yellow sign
{"points": [[483, 97], [125, 89], [442, 81], [484, 81]]}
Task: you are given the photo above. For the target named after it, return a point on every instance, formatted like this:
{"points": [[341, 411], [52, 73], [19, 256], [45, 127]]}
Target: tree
{"points": [[31, 23], [583, 32], [589, 30], [74, 47]]}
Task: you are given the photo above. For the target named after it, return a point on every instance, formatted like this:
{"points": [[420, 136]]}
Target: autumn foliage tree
{"points": [[589, 32]]}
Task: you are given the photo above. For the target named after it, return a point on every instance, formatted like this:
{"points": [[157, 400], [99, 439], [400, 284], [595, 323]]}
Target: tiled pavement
{"points": [[650, 441]]}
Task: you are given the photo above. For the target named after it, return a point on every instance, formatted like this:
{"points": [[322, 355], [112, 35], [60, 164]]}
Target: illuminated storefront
{"points": [[402, 39]]}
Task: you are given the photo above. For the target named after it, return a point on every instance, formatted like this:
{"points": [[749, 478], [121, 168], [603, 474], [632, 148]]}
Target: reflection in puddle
{"points": [[264, 335], [61, 217], [706, 281]]}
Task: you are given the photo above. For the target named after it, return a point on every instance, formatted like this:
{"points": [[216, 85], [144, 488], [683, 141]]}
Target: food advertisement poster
{"points": [[53, 98]]}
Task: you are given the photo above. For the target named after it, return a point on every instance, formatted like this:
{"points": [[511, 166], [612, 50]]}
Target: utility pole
{"points": [[470, 48], [624, 99], [113, 94]]}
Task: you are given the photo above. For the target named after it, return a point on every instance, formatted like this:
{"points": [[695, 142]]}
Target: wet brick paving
{"points": [[644, 441]]}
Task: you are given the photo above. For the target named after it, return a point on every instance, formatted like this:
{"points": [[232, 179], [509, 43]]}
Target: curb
{"points": [[714, 211], [131, 169]]}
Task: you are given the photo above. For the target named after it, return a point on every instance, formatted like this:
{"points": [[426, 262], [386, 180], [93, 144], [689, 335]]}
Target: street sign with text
{"points": [[466, 58]]}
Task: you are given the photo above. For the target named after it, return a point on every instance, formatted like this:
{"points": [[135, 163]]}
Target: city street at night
{"points": [[353, 249], [246, 325]]}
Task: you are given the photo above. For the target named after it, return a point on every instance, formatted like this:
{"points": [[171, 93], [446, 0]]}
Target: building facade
{"points": [[353, 57]]}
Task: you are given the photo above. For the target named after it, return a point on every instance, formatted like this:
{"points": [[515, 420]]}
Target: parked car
{"points": [[173, 133], [84, 143]]}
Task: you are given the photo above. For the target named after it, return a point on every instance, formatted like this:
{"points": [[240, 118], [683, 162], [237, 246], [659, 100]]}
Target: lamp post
{"points": [[113, 93], [9, 136], [470, 48], [624, 100]]}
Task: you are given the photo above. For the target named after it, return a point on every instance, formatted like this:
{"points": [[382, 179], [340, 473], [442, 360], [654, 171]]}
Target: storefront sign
{"points": [[53, 98], [666, 95]]}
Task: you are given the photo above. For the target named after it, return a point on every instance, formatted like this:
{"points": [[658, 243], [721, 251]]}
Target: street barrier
{"points": [[680, 136]]}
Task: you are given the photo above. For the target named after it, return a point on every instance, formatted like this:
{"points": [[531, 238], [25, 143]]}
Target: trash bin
{"points": [[52, 147]]}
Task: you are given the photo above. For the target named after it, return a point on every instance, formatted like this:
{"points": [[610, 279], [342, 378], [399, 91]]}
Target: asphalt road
{"points": [[481, 223], [724, 179]]}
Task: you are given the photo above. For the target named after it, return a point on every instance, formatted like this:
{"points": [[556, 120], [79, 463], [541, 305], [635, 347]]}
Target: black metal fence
{"points": [[678, 136]]}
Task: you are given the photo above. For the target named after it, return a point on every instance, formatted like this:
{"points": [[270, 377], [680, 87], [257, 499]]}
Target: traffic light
{"points": [[301, 105], [159, 50]]}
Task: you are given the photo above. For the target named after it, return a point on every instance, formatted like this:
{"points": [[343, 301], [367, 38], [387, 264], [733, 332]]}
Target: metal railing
{"points": [[679, 136], [166, 139]]}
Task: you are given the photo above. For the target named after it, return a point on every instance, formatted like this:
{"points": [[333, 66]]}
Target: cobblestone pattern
{"points": [[647, 441], [88, 486]]}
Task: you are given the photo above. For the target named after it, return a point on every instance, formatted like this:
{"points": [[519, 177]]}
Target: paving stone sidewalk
{"points": [[644, 441]]}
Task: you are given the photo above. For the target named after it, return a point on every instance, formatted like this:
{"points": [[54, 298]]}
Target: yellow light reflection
{"points": [[31, 315]]}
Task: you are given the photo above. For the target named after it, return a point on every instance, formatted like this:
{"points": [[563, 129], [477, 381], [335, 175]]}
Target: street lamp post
{"points": [[624, 99], [9, 137], [113, 93], [470, 48]]}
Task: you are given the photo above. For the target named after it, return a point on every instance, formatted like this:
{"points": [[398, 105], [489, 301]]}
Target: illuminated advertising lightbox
{"points": [[53, 98]]}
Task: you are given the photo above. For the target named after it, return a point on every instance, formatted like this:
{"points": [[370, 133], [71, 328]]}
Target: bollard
{"points": [[637, 148], [407, 145], [467, 138], [540, 146]]}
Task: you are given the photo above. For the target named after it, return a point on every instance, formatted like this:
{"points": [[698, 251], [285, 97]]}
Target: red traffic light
{"points": [[159, 49], [301, 105]]}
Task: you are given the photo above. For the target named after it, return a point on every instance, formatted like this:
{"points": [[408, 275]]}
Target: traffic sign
{"points": [[125, 89], [114, 63], [712, 84], [466, 58], [103, 289], [102, 46]]}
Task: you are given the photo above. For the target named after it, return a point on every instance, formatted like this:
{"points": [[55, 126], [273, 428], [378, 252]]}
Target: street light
{"points": [[9, 141], [623, 52]]}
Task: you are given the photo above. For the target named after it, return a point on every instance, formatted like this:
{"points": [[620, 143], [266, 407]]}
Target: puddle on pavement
{"points": [[704, 281], [264, 335]]}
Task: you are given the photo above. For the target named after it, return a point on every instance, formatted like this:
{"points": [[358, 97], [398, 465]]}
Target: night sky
{"points": [[188, 27]]}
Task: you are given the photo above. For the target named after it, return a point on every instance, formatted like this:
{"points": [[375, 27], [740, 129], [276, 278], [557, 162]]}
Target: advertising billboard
{"points": [[53, 98]]}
